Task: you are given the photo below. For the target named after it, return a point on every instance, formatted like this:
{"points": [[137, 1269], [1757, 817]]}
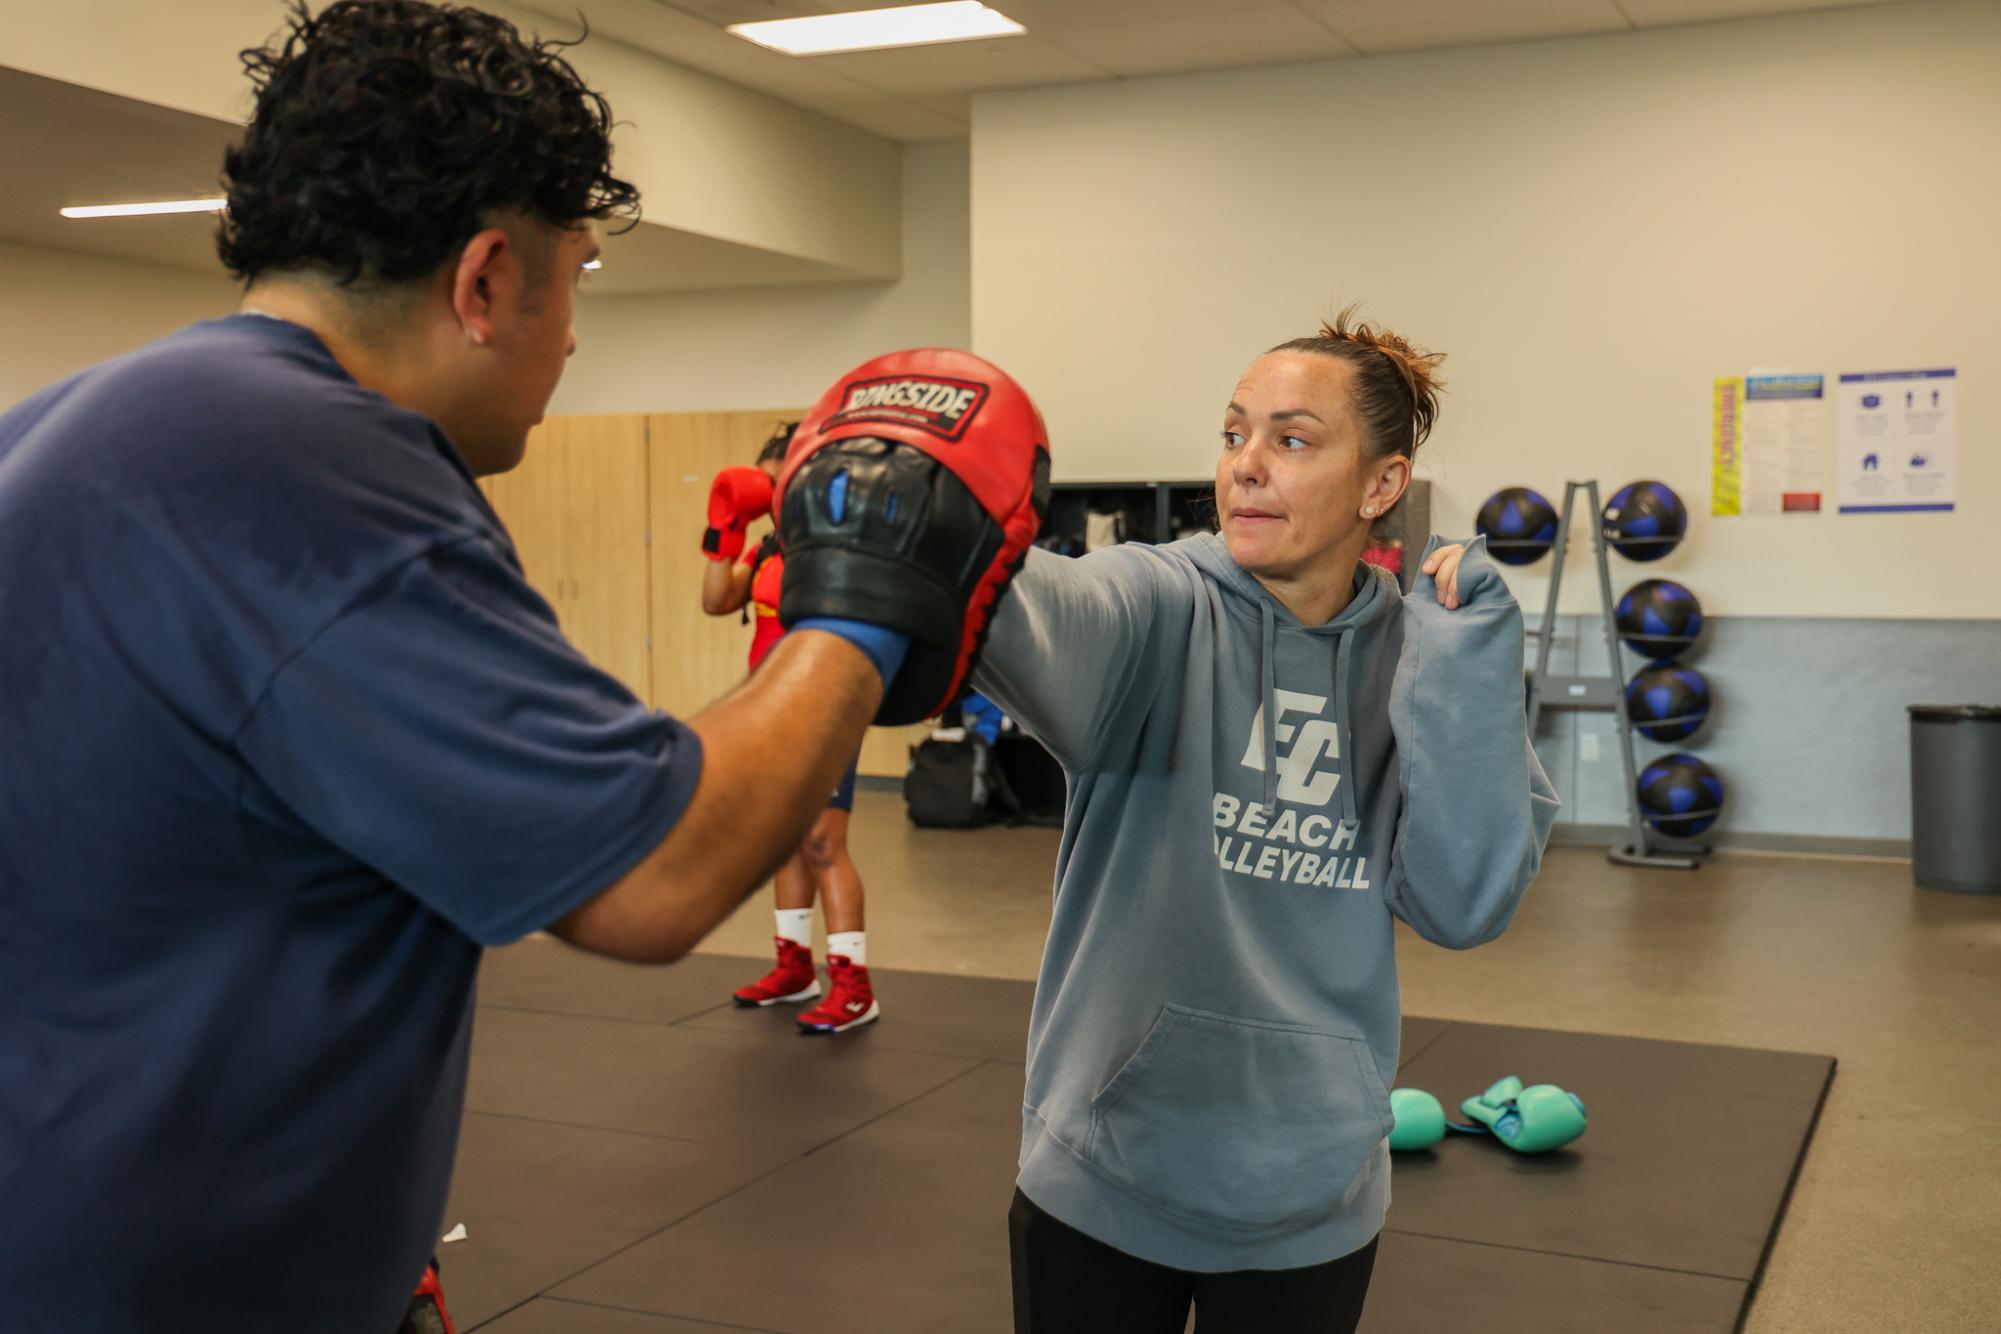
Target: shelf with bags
{"points": [[1084, 516]]}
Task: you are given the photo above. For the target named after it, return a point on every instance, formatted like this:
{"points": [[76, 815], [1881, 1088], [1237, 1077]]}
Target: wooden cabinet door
{"points": [[576, 507], [696, 658]]}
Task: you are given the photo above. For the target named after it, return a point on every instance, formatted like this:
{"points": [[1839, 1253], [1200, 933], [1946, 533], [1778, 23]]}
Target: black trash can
{"points": [[1956, 797]]}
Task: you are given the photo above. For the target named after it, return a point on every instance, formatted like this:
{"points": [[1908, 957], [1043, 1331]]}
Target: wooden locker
{"points": [[577, 509]]}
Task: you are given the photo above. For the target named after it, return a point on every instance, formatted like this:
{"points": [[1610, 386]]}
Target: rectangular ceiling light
{"points": [[144, 210], [874, 29]]}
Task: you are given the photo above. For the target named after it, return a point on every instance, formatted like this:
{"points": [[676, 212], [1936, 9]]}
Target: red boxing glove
{"points": [[910, 496], [737, 498]]}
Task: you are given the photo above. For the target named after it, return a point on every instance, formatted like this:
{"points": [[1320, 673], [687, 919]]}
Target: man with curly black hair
{"points": [[288, 736], [417, 189]]}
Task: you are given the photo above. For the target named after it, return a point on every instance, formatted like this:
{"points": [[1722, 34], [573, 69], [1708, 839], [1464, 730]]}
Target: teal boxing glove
{"points": [[1417, 1120], [1535, 1119]]}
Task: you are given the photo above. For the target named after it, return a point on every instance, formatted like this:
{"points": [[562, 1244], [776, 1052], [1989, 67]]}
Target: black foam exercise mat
{"points": [[1428, 1283], [1685, 1163], [662, 1079], [541, 1202], [541, 974], [1418, 1035], [642, 1158], [897, 1228], [547, 1315], [980, 1018]]}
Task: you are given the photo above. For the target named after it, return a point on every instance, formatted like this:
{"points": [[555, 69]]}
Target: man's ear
{"points": [[487, 270]]}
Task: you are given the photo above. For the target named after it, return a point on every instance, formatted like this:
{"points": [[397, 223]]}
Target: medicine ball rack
{"points": [[1599, 694]]}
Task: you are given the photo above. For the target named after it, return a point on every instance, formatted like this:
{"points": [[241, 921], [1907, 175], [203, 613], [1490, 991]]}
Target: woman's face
{"points": [[1291, 483]]}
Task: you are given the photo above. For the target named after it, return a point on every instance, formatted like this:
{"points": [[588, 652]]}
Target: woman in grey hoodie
{"points": [[1271, 754]]}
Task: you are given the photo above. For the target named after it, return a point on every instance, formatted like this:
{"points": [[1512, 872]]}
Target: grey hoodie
{"points": [[1251, 801]]}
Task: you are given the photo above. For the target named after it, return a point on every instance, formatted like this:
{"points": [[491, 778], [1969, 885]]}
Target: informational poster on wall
{"points": [[1770, 444], [1898, 434], [1726, 496]]}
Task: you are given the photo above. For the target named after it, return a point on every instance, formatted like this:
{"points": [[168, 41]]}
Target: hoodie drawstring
{"points": [[1269, 669], [1344, 738]]}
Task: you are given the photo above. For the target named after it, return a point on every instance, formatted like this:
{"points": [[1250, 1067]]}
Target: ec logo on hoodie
{"points": [[1301, 748]]}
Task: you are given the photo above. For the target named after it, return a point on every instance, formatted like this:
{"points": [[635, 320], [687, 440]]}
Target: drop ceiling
{"points": [[924, 93], [71, 145]]}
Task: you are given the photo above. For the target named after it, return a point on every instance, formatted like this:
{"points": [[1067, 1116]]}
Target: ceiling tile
{"points": [[1657, 13], [684, 39], [955, 67], [904, 119], [725, 12], [1215, 40], [665, 31], [952, 106], [1376, 27], [1055, 17]]}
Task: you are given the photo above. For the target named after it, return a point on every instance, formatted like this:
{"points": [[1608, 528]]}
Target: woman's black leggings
{"points": [[1067, 1283]]}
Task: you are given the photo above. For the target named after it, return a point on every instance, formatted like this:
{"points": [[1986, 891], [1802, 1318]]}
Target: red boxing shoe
{"points": [[850, 1002], [426, 1314], [792, 980]]}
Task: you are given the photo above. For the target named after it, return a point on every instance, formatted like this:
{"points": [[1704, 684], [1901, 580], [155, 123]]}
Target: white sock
{"points": [[852, 944], [796, 925]]}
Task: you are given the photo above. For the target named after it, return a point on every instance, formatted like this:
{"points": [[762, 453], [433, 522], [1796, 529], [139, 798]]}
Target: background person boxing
{"points": [[735, 580], [289, 737]]}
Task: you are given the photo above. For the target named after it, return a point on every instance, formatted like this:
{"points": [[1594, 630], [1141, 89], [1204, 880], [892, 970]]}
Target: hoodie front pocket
{"points": [[1242, 1122]]}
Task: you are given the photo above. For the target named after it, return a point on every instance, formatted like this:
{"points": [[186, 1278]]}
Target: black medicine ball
{"points": [[1645, 520], [1658, 618], [1680, 795], [1518, 523], [1667, 703]]}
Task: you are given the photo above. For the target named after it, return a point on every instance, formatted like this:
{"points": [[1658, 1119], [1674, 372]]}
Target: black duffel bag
{"points": [[954, 783]]}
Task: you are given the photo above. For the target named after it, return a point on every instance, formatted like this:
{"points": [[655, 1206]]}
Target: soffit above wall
{"points": [[90, 147]]}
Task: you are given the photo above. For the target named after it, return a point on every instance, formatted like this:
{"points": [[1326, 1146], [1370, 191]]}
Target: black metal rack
{"points": [[1599, 694]]}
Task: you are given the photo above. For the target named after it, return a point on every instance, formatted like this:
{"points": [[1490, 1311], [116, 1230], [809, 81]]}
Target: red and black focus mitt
{"points": [[909, 499], [737, 498]]}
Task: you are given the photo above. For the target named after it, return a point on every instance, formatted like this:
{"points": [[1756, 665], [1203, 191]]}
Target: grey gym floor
{"points": [[604, 1166]]}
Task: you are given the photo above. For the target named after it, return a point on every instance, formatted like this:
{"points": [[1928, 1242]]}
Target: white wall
{"points": [[61, 312], [773, 347], [1593, 229], [721, 160], [679, 352]]}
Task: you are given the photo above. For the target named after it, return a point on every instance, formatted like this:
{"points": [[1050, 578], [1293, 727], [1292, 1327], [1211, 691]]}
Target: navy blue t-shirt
{"points": [[287, 739]]}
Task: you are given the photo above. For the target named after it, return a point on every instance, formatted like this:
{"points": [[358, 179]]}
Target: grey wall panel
{"points": [[1808, 730]]}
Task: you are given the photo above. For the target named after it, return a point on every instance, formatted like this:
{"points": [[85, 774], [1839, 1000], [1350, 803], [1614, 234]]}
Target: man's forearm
{"points": [[773, 751]]}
